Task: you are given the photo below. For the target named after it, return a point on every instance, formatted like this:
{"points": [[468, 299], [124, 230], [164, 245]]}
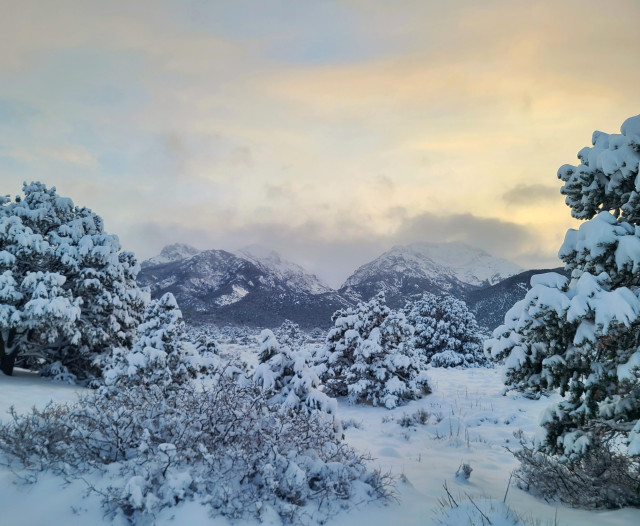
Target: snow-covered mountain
{"points": [[290, 273], [253, 286], [256, 286], [403, 271], [171, 253]]}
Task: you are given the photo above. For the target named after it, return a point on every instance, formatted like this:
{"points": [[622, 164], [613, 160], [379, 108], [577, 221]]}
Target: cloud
{"points": [[530, 194], [498, 237]]}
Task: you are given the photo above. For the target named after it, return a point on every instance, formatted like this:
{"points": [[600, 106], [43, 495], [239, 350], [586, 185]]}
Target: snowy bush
{"points": [[580, 335], [285, 376], [67, 291], [221, 444], [237, 335], [445, 332], [205, 338], [368, 357], [317, 335], [601, 478]]}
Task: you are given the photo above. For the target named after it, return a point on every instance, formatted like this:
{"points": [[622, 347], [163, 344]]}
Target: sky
{"points": [[326, 130]]}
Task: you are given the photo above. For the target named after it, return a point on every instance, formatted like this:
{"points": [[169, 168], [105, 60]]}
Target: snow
{"points": [[469, 422], [236, 295]]}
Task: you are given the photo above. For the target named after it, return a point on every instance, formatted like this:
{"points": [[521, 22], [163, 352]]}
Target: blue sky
{"points": [[326, 130]]}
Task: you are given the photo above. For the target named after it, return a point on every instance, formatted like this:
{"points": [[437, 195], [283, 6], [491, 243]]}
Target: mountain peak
{"points": [[291, 273], [470, 265], [405, 270], [170, 253], [179, 249]]}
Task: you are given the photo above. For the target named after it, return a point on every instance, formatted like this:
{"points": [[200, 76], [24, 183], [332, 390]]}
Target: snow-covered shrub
{"points": [[290, 334], [237, 335], [205, 338], [602, 478], [368, 356], [446, 333], [418, 417], [285, 376], [222, 445], [317, 335], [162, 355], [580, 335], [67, 291]]}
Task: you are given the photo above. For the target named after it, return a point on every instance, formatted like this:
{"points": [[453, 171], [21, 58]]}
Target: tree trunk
{"points": [[7, 361]]}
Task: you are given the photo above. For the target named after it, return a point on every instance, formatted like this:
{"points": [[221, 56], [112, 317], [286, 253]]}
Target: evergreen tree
{"points": [[284, 374], [290, 334], [162, 354], [582, 335], [369, 358], [446, 333], [68, 294]]}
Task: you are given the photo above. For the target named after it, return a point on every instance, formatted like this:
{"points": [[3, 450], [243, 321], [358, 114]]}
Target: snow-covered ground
{"points": [[469, 421]]}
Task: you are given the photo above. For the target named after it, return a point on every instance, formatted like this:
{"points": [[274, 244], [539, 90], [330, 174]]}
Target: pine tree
{"points": [[68, 291], [446, 333], [290, 334], [284, 374], [582, 335], [162, 354], [369, 358]]}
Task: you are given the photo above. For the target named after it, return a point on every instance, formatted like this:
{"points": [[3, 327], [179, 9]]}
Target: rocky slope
{"points": [[250, 287]]}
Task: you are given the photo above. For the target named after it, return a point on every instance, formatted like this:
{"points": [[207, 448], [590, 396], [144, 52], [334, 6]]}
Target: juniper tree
{"points": [[284, 375], [368, 356], [582, 335], [67, 292], [162, 354], [446, 333]]}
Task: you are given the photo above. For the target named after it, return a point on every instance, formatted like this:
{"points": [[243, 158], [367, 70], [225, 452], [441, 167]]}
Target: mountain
{"points": [[256, 286], [490, 304], [171, 253], [251, 287], [289, 273], [440, 268]]}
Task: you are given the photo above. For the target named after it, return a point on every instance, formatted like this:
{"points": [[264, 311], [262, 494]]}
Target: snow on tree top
{"points": [[631, 128]]}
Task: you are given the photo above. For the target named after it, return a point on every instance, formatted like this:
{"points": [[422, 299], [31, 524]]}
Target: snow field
{"points": [[466, 420]]}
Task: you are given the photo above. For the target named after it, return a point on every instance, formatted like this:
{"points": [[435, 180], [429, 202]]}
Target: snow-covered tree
{"points": [[205, 337], [68, 293], [284, 375], [369, 358], [290, 334], [162, 354], [446, 333], [582, 335]]}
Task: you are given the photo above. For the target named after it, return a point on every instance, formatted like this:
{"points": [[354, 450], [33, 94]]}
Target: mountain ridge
{"points": [[256, 286]]}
